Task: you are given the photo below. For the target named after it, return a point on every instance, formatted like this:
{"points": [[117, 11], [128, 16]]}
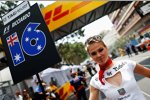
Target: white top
{"points": [[128, 90], [144, 39], [19, 97]]}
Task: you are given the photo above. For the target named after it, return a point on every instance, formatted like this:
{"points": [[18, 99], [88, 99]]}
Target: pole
{"points": [[42, 88], [9, 84]]}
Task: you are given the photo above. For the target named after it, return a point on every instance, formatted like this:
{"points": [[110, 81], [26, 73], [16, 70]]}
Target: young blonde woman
{"points": [[115, 79]]}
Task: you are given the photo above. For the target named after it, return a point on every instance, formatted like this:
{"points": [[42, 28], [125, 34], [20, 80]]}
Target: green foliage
{"points": [[78, 33], [120, 43], [5, 7], [72, 53], [41, 6], [103, 33]]}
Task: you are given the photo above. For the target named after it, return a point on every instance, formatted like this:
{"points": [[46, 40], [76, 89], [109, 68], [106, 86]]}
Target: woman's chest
{"points": [[121, 85]]}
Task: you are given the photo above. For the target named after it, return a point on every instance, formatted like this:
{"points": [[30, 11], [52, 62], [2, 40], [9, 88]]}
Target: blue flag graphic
{"points": [[15, 49]]}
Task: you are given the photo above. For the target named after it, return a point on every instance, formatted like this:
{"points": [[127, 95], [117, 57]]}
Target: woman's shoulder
{"points": [[124, 61], [127, 62], [95, 78], [96, 75], [95, 82]]}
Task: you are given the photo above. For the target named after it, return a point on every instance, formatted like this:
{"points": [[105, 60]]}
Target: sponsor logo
{"points": [[121, 91]]}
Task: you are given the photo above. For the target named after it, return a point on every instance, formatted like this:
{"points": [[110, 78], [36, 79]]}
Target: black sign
{"points": [[143, 9], [28, 44]]}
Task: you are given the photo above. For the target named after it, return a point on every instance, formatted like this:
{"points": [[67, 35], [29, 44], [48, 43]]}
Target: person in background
{"points": [[89, 69], [80, 72], [52, 87], [26, 95], [18, 96], [144, 42], [93, 68], [134, 49], [128, 50], [31, 92], [121, 51], [53, 80], [53, 95], [113, 55], [38, 95], [78, 83], [115, 78]]}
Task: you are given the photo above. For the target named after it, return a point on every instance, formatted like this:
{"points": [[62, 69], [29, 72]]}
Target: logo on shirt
{"points": [[121, 91], [119, 66], [109, 73]]}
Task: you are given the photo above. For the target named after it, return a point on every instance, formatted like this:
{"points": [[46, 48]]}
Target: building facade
{"points": [[132, 19]]}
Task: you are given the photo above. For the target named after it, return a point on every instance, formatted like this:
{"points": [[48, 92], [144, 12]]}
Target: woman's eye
{"points": [[100, 50], [93, 53]]}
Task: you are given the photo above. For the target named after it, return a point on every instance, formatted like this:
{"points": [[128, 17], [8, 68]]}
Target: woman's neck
{"points": [[107, 65]]}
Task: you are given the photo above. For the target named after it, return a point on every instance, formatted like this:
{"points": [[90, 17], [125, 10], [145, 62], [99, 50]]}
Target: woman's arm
{"points": [[94, 93], [140, 69]]}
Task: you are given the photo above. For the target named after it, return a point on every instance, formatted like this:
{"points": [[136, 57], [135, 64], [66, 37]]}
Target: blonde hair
{"points": [[93, 39]]}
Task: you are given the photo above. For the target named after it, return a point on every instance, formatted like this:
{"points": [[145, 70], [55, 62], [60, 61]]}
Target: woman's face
{"points": [[98, 52]]}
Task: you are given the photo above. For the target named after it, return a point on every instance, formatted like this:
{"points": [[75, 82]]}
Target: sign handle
{"points": [[40, 82]]}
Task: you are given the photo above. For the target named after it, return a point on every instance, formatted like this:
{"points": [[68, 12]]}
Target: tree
{"points": [[5, 7], [41, 6], [103, 33], [72, 53], [78, 34]]}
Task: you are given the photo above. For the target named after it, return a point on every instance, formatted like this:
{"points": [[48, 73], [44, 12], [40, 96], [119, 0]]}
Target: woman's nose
{"points": [[99, 54]]}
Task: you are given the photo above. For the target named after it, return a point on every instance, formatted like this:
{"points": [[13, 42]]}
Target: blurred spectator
{"points": [[53, 80], [52, 87], [78, 83], [128, 50], [133, 41], [134, 49], [53, 95], [121, 51], [38, 88], [80, 72], [31, 92], [113, 55], [26, 95], [94, 70], [18, 96], [38, 91], [89, 66], [134, 44], [144, 39], [144, 43]]}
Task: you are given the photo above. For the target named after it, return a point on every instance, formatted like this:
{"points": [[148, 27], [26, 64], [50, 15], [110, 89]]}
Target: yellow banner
{"points": [[63, 12], [65, 90], [0, 41]]}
